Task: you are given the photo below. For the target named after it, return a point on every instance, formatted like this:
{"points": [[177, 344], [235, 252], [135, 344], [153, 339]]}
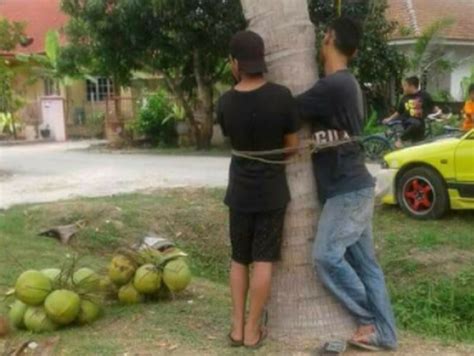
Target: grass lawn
{"points": [[429, 268]]}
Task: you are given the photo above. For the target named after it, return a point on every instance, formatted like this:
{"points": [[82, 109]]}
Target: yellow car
{"points": [[429, 179]]}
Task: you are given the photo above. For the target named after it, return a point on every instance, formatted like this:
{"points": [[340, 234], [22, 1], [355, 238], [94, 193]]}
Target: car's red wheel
{"points": [[422, 194]]}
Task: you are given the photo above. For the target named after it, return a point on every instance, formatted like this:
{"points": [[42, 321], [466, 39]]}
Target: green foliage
{"points": [[371, 127], [52, 47], [46, 66], [156, 120], [466, 82], [185, 41], [442, 96], [11, 34], [376, 63], [7, 123], [429, 52], [443, 307]]}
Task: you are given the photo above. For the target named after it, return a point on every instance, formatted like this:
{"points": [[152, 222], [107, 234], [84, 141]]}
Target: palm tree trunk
{"points": [[300, 307]]}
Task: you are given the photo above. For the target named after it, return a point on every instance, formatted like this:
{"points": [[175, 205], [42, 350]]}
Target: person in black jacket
{"points": [[343, 252]]}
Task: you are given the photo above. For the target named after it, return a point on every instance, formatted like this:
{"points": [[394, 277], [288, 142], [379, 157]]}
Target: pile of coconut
{"points": [[148, 274], [53, 298]]}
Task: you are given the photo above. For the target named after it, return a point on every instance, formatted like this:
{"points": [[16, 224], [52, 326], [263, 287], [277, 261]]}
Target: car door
{"points": [[464, 165]]}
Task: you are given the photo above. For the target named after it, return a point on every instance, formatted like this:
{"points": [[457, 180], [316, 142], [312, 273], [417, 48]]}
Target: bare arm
{"points": [[391, 117], [291, 142]]}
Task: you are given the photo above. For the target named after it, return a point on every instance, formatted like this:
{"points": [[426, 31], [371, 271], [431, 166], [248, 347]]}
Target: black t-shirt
{"points": [[334, 107], [416, 106], [257, 120]]}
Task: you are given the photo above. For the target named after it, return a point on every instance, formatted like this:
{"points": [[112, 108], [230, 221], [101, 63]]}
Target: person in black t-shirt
{"points": [[412, 110], [256, 116], [343, 252]]}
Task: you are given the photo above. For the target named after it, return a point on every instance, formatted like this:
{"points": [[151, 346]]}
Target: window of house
{"points": [[99, 89], [49, 87]]}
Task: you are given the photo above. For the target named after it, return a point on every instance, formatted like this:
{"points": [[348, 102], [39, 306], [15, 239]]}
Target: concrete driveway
{"points": [[50, 172]]}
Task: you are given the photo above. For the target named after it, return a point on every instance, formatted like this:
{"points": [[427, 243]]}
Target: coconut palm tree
{"points": [[429, 53], [300, 307]]}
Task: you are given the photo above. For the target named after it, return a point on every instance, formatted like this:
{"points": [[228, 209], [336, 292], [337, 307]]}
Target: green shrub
{"points": [[371, 126], [156, 120]]}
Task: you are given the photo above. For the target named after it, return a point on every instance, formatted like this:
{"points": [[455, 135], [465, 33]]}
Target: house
{"points": [[85, 104], [457, 40]]}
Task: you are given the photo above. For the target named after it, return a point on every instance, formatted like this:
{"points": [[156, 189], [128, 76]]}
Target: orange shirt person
{"points": [[468, 123]]}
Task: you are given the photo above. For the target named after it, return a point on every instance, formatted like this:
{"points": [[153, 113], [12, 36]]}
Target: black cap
{"points": [[248, 49]]}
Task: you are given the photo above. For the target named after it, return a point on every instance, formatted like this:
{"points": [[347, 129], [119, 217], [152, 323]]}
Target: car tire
{"points": [[422, 193]]}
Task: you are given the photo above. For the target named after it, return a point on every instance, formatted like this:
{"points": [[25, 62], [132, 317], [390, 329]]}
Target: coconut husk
{"points": [[4, 327], [32, 348], [63, 233]]}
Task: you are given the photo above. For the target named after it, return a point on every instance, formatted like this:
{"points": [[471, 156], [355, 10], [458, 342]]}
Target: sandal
{"points": [[333, 348], [370, 344], [234, 343], [259, 343]]}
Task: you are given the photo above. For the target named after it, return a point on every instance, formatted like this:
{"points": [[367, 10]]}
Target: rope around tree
{"points": [[311, 146]]}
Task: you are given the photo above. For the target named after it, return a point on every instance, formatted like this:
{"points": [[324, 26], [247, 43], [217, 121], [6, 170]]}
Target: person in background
{"points": [[256, 115], [413, 109], [468, 111], [343, 252]]}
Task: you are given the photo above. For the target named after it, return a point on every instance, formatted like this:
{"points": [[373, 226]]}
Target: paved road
{"points": [[50, 172]]}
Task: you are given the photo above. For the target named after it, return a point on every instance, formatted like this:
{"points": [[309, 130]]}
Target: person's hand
{"points": [[386, 121]]}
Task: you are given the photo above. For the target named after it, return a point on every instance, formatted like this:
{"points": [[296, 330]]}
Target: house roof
{"points": [[40, 16], [417, 15]]}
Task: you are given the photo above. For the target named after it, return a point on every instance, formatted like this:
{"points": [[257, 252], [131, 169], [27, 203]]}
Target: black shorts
{"points": [[414, 130], [256, 237]]}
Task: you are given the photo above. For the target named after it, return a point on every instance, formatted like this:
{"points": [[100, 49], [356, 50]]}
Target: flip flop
{"points": [[370, 345], [259, 343], [333, 348], [234, 343]]}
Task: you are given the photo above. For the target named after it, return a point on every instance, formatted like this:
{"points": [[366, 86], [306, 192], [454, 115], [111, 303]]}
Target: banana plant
{"points": [[177, 113], [46, 66]]}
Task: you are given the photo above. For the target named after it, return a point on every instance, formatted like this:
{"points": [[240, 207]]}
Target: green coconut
{"points": [[177, 275], [17, 314], [37, 321], [32, 287], [85, 279], [108, 288], [150, 255], [89, 312], [129, 295], [121, 270], [63, 306], [54, 274], [147, 279]]}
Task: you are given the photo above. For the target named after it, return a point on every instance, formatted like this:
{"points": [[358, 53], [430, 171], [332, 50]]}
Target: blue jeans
{"points": [[345, 261]]}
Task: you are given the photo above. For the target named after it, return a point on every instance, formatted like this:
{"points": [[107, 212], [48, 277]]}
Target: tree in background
{"points": [[184, 41], [11, 35], [429, 53], [377, 63]]}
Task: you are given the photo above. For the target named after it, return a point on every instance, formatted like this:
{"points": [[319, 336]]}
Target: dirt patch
{"points": [[447, 261], [5, 175]]}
